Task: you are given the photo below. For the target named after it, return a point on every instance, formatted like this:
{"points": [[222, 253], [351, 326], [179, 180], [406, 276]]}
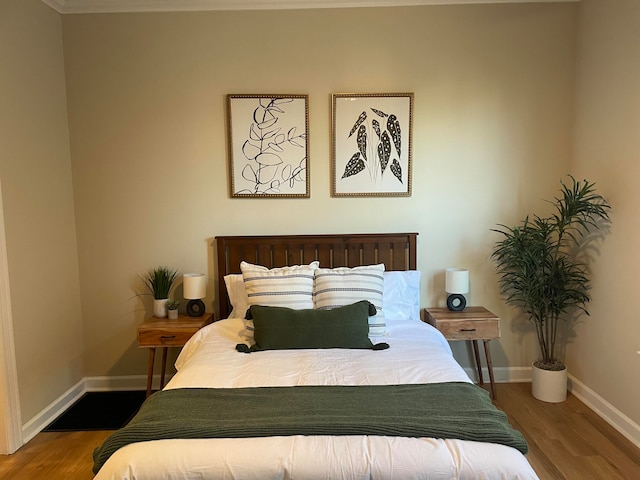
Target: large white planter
{"points": [[549, 385], [160, 307]]}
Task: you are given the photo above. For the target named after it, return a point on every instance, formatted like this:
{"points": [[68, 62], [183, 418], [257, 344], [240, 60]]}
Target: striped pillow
{"points": [[336, 287], [290, 287]]}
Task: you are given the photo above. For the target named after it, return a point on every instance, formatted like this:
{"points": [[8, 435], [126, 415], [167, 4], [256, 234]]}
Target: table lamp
{"points": [[456, 285], [194, 289]]}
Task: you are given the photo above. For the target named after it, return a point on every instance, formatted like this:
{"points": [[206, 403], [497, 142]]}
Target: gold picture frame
{"points": [[372, 144], [268, 145]]}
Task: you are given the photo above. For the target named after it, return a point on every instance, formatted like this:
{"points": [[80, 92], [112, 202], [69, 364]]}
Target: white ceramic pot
{"points": [[173, 314], [549, 385], [160, 307]]}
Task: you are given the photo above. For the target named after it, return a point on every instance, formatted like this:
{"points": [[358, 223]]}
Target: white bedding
{"points": [[418, 354]]}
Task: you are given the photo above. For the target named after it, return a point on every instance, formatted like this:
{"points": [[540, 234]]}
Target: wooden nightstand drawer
{"points": [[165, 337], [473, 324], [469, 329], [162, 333]]}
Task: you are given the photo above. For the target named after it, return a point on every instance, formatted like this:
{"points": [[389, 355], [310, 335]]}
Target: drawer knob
{"points": [[167, 337], [467, 329]]}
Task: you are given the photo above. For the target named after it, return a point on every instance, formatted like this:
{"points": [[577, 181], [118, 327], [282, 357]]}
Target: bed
{"points": [[367, 383]]}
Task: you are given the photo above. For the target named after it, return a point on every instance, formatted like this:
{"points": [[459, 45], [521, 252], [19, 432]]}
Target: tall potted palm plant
{"points": [[540, 271]]}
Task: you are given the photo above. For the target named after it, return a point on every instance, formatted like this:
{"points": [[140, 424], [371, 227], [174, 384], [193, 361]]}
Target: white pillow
{"points": [[237, 295], [290, 287], [336, 287], [401, 296]]}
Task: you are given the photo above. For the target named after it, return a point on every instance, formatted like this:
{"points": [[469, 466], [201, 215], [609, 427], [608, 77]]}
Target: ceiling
{"points": [[112, 6]]}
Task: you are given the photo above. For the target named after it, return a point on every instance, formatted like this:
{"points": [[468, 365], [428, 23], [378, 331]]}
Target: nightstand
{"points": [[472, 323], [163, 333]]}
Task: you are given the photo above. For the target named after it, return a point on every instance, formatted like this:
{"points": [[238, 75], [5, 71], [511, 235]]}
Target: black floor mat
{"points": [[99, 411]]}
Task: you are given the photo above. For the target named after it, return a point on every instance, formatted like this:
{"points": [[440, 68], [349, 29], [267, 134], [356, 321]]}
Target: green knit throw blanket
{"points": [[440, 410]]}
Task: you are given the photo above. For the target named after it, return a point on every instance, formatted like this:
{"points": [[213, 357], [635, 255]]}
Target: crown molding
{"points": [[123, 6]]}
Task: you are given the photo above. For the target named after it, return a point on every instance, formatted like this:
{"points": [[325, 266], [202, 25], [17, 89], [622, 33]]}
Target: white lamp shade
{"points": [[194, 286], [456, 280]]}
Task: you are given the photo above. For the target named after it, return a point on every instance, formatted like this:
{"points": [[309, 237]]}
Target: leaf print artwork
{"points": [[381, 150], [268, 145], [371, 144]]}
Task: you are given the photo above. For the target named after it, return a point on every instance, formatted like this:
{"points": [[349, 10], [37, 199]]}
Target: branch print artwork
{"points": [[268, 146], [372, 144]]}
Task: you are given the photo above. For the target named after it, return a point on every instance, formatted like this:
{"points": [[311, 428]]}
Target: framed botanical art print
{"points": [[372, 136], [268, 145]]}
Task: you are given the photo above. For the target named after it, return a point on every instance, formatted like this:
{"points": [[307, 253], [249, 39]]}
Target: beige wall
{"points": [[37, 196], [493, 109], [493, 91], [494, 102], [603, 355]]}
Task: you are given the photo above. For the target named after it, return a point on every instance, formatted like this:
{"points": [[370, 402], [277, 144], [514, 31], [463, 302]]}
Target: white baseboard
{"points": [[52, 411], [502, 374], [87, 384], [109, 384], [608, 412]]}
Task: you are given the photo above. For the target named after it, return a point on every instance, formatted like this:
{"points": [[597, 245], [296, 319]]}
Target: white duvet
{"points": [[418, 354]]}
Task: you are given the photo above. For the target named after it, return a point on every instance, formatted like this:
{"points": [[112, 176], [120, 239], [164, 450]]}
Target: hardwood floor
{"points": [[53, 456], [566, 441]]}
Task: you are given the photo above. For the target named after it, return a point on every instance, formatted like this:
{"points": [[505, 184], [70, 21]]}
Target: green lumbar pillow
{"points": [[281, 328]]}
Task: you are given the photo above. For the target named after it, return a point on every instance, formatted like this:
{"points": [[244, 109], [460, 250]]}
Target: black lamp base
{"points": [[195, 308], [456, 302]]}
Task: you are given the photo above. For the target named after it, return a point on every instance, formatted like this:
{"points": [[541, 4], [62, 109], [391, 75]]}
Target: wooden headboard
{"points": [[396, 250]]}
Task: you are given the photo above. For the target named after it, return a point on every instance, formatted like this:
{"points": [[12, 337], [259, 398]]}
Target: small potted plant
{"points": [[172, 309], [159, 282], [541, 272]]}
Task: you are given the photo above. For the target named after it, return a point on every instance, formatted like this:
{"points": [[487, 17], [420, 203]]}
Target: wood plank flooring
{"points": [[53, 456], [566, 441]]}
